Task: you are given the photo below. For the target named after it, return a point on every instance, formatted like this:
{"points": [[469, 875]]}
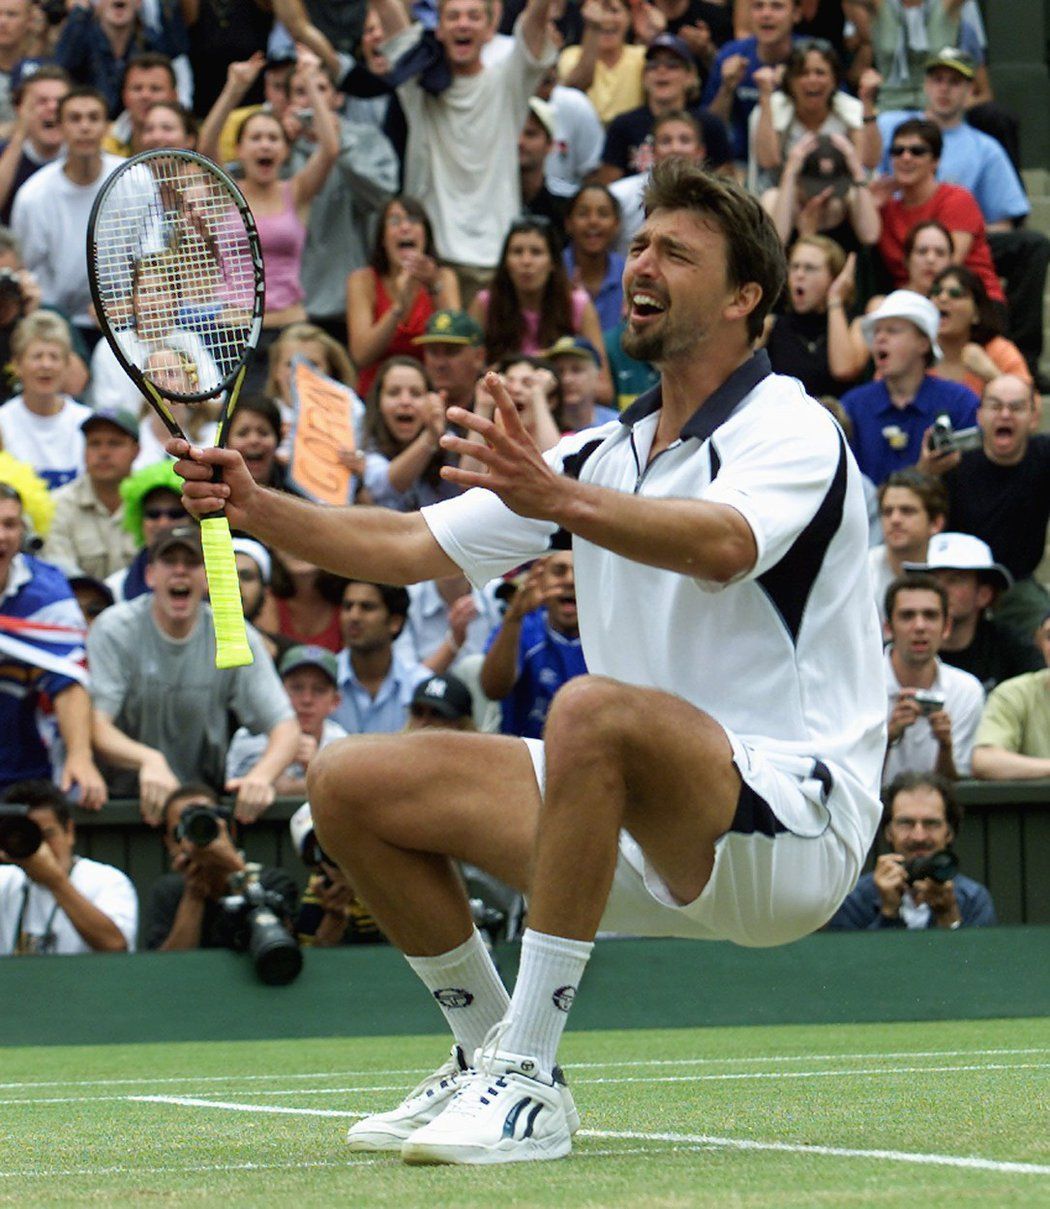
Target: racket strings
{"points": [[176, 277]]}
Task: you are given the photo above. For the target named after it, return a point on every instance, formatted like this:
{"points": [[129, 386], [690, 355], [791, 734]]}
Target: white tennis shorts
{"points": [[780, 872]]}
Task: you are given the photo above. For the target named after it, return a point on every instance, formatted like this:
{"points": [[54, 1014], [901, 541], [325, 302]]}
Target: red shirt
{"points": [[956, 208], [411, 325]]}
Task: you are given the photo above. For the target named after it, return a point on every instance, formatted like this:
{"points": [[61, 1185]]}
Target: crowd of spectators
{"points": [[441, 187]]}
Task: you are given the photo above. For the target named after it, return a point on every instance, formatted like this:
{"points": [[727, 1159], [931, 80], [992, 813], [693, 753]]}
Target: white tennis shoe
{"points": [[387, 1130], [505, 1111]]}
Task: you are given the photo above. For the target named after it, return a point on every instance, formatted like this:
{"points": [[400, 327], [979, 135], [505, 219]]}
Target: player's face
{"points": [[40, 105], [528, 261], [676, 138], [918, 626], [463, 29], [178, 583], [592, 226], [1006, 416], [930, 253], [83, 125], [675, 287], [143, 87], [11, 534], [256, 442], [42, 367], [402, 398], [898, 347], [579, 379], [403, 234], [365, 622], [559, 592], [905, 521], [808, 279], [108, 453], [313, 697], [162, 127], [919, 825]]}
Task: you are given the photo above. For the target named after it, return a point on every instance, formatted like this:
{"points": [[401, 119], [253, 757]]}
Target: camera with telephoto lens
{"points": [[928, 701], [200, 824], [944, 438], [273, 949], [20, 836], [936, 866]]}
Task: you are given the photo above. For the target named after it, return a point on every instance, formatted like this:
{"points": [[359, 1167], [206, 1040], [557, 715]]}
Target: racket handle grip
{"points": [[231, 637]]}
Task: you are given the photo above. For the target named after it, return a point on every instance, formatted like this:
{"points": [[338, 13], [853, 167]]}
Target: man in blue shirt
{"points": [[892, 416], [537, 648]]}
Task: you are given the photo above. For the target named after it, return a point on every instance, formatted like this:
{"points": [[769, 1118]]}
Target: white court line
{"points": [[712, 1140], [416, 1070]]}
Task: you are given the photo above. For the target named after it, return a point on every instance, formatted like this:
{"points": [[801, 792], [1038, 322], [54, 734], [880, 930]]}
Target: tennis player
{"points": [[715, 777]]}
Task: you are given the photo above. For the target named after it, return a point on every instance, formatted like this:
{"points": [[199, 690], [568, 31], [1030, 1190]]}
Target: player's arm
{"points": [[701, 539], [376, 544]]}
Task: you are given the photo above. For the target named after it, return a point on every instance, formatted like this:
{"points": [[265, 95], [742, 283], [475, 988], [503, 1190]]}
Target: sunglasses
{"points": [[916, 150], [171, 514], [953, 291]]}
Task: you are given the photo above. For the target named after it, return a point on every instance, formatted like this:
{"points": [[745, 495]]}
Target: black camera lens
{"points": [[199, 825], [20, 836], [937, 866], [275, 952]]}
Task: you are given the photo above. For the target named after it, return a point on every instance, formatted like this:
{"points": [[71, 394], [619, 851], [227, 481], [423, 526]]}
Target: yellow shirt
{"points": [[614, 90], [1017, 716]]}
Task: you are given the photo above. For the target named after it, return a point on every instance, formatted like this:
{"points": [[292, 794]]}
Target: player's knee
{"points": [[590, 708], [335, 783]]}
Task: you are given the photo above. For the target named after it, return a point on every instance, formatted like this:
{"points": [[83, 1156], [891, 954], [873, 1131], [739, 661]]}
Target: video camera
{"points": [[936, 866], [273, 949], [200, 824], [20, 836], [944, 438]]}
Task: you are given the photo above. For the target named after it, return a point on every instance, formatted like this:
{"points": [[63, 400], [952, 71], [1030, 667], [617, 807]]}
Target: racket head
{"points": [[176, 275]]}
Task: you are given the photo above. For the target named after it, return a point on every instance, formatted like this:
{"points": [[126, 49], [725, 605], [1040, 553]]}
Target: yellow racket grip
{"points": [[231, 637]]}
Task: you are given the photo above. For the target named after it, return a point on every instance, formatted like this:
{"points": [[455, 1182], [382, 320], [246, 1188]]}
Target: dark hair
{"points": [[379, 260], [796, 63], [928, 131], [329, 585], [915, 581], [931, 491], [906, 781], [186, 116], [611, 197], [986, 322], [191, 789], [82, 90], [753, 250], [46, 71], [555, 396], [396, 600], [147, 60], [913, 235], [686, 119], [504, 318], [374, 430], [39, 794], [260, 405]]}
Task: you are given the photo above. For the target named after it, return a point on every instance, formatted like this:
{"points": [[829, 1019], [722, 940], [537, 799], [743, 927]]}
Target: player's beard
{"points": [[658, 344]]}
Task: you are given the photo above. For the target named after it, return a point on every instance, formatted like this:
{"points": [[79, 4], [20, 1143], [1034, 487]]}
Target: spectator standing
{"points": [[55, 902], [51, 210], [14, 40], [912, 508], [447, 621], [221, 32], [376, 685], [36, 136], [536, 648], [892, 416], [151, 505], [534, 146], [922, 817], [604, 65], [88, 532], [592, 223], [936, 736], [161, 708], [33, 592], [457, 106], [1013, 738], [578, 136], [149, 79], [903, 35]]}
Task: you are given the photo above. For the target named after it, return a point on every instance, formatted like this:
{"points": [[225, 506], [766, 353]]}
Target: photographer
{"points": [[185, 911], [933, 708], [922, 819], [52, 901]]}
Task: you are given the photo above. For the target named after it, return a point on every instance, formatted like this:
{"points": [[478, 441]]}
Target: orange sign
{"points": [[323, 430]]}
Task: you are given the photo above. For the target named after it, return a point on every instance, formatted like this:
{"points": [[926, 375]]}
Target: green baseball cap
{"points": [[310, 656], [451, 327]]}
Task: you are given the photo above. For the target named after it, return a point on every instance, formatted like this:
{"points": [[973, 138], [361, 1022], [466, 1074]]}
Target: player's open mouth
{"points": [[644, 306]]}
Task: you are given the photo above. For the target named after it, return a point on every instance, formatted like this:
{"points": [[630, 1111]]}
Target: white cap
{"points": [[961, 552], [257, 552], [301, 825], [906, 304], [543, 112]]}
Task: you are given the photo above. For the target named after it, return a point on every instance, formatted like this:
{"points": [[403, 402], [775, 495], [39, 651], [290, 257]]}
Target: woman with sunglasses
{"points": [[808, 100], [389, 301], [531, 302], [970, 334], [913, 195]]}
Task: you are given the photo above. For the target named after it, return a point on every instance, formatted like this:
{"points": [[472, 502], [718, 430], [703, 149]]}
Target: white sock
{"points": [[468, 990], [550, 971]]}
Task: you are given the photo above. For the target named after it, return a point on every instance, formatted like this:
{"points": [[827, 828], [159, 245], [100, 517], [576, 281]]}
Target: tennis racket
{"points": [[176, 276]]}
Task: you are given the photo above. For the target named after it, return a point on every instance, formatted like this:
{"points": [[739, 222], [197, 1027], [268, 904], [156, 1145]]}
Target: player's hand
{"points": [[156, 781], [516, 471], [254, 795], [80, 770], [891, 882], [235, 492]]}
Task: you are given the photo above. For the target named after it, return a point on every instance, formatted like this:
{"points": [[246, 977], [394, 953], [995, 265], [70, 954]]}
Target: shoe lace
{"points": [[448, 1072], [485, 1057]]}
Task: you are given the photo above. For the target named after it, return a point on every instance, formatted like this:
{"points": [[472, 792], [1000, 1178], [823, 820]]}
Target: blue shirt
{"points": [[972, 159], [871, 410], [746, 96], [862, 909], [608, 302], [359, 713], [546, 660]]}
